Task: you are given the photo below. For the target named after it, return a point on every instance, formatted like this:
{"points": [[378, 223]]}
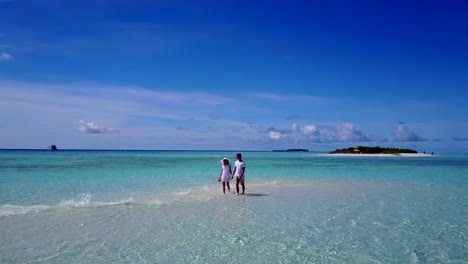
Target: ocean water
{"points": [[166, 207]]}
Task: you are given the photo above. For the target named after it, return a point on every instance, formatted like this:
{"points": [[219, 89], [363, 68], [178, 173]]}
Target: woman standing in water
{"points": [[225, 175]]}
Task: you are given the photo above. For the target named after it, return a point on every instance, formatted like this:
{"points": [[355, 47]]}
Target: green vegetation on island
{"points": [[291, 150], [371, 150]]}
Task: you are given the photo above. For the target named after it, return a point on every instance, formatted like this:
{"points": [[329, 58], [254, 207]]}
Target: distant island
{"points": [[291, 150], [372, 150]]}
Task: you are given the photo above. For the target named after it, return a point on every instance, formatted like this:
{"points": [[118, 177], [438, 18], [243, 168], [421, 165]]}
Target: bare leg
{"points": [[224, 187], [241, 181], [237, 185], [229, 187]]}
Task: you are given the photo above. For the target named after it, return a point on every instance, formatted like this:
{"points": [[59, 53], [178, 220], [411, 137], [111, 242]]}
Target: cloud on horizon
{"points": [[310, 130], [313, 133], [404, 134], [138, 113], [346, 132]]}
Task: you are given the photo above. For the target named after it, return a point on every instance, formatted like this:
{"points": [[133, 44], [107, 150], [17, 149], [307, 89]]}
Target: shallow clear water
{"points": [[166, 207]]}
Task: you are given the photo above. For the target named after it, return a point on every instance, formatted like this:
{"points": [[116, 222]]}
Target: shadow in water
{"points": [[255, 194]]}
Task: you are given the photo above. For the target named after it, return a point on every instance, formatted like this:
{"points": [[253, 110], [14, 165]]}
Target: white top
{"points": [[239, 167]]}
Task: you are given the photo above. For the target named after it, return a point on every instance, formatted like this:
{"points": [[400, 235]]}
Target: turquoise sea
{"points": [[166, 207]]}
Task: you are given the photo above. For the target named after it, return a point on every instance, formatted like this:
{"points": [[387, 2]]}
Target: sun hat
{"points": [[222, 161]]}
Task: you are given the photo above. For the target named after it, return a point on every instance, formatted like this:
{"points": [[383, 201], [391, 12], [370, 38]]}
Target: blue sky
{"points": [[234, 75]]}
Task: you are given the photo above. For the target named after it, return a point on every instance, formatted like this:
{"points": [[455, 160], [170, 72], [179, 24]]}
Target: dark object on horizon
{"points": [[371, 150], [291, 150], [52, 147]]}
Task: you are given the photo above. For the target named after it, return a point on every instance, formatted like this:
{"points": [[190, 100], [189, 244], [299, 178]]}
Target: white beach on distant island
{"points": [[412, 155]]}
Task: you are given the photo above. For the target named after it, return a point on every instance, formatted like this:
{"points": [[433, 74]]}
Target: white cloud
{"points": [[130, 108], [6, 57], [346, 132], [93, 101], [163, 115], [350, 132], [309, 130], [92, 128], [404, 134], [276, 135]]}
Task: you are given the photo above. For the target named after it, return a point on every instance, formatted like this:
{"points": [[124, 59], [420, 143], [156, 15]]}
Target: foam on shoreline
{"points": [[162, 199], [199, 194]]}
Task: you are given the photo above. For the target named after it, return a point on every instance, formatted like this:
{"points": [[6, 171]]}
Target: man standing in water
{"points": [[239, 170]]}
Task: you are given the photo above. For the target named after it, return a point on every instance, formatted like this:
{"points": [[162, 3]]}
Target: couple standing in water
{"points": [[227, 174]]}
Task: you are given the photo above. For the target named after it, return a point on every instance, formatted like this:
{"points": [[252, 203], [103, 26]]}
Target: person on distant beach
{"points": [[225, 175], [239, 170]]}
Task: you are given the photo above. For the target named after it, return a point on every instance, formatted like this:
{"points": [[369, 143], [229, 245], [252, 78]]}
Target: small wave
{"points": [[8, 209], [84, 200], [158, 199], [267, 183], [186, 192], [156, 203], [275, 182], [194, 190], [127, 201]]}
